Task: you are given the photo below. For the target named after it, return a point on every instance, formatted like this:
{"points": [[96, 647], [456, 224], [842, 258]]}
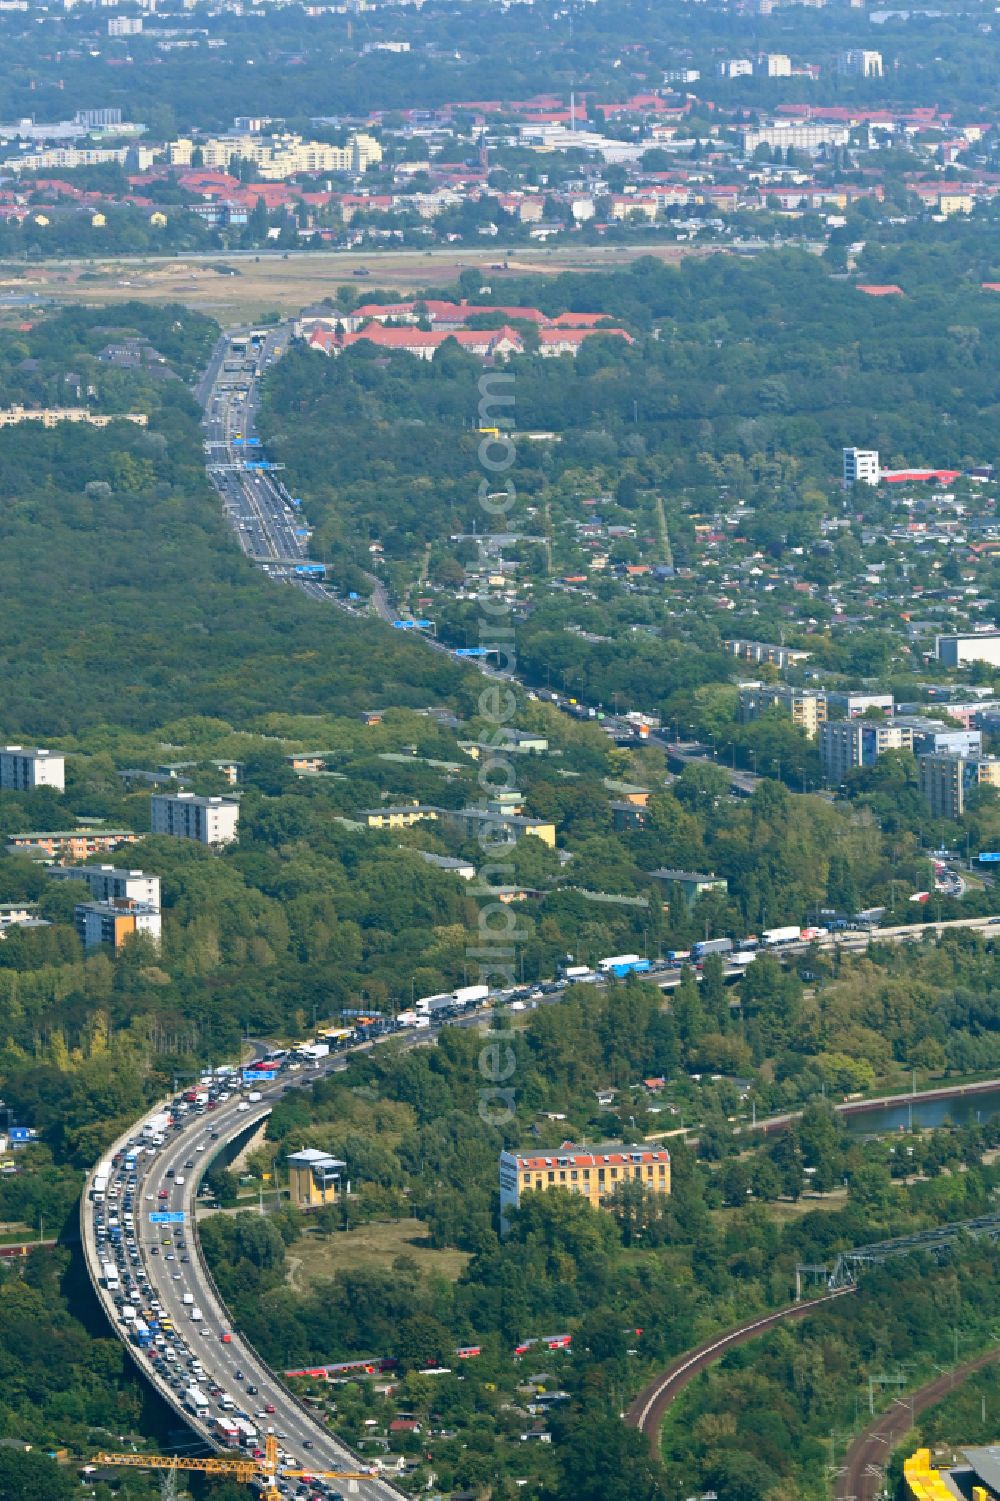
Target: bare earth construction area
{"points": [[235, 286]]}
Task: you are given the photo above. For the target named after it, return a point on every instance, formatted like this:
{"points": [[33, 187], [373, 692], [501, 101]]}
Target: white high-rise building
{"points": [[23, 770], [861, 467], [209, 820]]}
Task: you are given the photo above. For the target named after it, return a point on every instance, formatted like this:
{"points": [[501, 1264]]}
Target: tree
{"points": [[603, 1460]]}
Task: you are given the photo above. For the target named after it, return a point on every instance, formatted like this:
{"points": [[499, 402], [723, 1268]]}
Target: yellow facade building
{"points": [[593, 1172], [315, 1179]]}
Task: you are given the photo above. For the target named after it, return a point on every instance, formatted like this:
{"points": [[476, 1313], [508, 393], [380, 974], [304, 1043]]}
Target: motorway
{"points": [[159, 1265], [256, 503]]}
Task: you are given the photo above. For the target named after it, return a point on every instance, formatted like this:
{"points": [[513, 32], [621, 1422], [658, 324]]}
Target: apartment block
{"points": [[593, 1172], [859, 62], [979, 646], [72, 844], [53, 416], [22, 770], [734, 67], [861, 467], [765, 653], [399, 816], [209, 820], [281, 156], [315, 1178], [852, 705], [114, 923], [108, 884], [806, 707], [808, 137], [774, 65], [850, 743], [503, 828], [931, 737], [946, 781]]}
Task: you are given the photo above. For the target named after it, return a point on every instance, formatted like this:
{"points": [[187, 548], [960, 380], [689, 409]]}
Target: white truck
{"points": [[156, 1126], [196, 1315], [774, 936], [471, 995], [196, 1401], [188, 1300], [315, 1050], [255, 1096]]}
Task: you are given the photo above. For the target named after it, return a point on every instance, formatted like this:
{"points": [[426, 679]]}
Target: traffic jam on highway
{"points": [[151, 1275]]}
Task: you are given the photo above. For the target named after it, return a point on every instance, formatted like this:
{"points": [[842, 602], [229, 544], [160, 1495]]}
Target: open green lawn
{"points": [[316, 1257]]}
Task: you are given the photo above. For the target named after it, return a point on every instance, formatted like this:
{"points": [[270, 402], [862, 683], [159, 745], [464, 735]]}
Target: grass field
{"points": [[316, 1257], [285, 283]]}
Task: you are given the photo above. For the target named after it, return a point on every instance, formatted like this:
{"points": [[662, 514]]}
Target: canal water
{"points": [[963, 1110]]}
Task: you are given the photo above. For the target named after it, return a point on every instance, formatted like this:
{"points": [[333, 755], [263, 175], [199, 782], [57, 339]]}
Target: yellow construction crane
{"points": [[239, 1466]]}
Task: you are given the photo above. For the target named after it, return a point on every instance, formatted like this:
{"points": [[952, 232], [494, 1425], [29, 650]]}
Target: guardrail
{"points": [[248, 1122], [93, 1265]]}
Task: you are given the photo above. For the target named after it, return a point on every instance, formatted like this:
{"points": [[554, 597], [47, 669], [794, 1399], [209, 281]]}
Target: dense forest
{"points": [[125, 598]]}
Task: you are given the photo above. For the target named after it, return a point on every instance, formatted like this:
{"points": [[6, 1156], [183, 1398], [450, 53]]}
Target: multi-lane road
{"points": [[163, 1278]]}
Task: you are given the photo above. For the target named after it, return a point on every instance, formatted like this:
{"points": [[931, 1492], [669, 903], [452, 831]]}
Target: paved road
{"points": [[647, 1411], [862, 1475], [175, 1169]]}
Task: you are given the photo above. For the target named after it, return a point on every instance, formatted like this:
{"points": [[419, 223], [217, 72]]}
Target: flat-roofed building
{"points": [[73, 844], [592, 1172], [315, 1178], [208, 820], [806, 707], [764, 652], [847, 744], [861, 467], [398, 816], [22, 770], [691, 882], [499, 828], [853, 704], [978, 646], [946, 781], [108, 884], [114, 923]]}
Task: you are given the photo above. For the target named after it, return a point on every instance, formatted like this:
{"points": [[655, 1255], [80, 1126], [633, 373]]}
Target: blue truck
{"points": [[621, 965]]}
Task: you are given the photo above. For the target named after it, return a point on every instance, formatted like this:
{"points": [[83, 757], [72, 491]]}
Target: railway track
{"points": [[862, 1477], [647, 1410]]}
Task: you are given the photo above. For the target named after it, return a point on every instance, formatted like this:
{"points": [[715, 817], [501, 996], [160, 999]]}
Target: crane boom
{"points": [[240, 1467]]}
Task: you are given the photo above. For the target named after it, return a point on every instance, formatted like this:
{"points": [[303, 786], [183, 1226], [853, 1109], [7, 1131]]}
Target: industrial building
{"points": [[315, 1178], [971, 1475], [957, 651], [22, 770], [594, 1172], [209, 820]]}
